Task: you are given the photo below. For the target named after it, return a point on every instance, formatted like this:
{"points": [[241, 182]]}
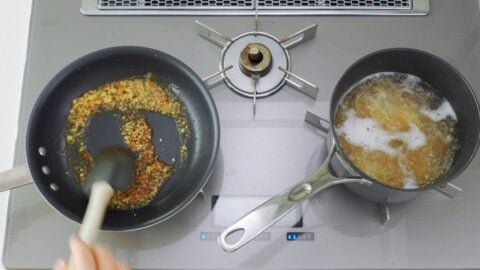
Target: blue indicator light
{"points": [[203, 236], [300, 236]]}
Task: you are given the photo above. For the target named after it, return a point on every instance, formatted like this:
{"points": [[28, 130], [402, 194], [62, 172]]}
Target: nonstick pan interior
{"points": [[45, 143]]}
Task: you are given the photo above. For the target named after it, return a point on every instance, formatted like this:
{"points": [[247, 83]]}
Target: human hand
{"points": [[90, 258]]}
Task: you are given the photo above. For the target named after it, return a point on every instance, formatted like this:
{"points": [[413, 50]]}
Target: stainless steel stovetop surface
{"points": [[262, 155]]}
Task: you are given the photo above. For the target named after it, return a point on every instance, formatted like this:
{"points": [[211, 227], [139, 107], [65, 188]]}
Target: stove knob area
{"points": [[255, 60]]}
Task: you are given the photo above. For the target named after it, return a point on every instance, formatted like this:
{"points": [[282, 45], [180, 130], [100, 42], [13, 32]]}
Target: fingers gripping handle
{"points": [[15, 177]]}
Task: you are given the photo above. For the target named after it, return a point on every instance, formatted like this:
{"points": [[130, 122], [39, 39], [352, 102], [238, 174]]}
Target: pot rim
{"points": [[343, 158]]}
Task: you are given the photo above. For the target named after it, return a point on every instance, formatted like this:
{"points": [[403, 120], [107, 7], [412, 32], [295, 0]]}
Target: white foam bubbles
{"points": [[414, 138], [410, 183], [442, 112], [409, 82], [368, 134]]}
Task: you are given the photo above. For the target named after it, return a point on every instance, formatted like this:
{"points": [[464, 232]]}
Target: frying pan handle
{"points": [[265, 215], [15, 177], [100, 195]]}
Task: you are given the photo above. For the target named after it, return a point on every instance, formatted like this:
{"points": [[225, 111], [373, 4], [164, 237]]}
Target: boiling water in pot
{"points": [[397, 129]]}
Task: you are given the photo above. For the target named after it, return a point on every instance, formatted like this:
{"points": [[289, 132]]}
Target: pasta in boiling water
{"points": [[397, 129]]}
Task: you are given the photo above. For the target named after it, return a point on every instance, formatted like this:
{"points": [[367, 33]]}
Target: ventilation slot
{"points": [[247, 7], [339, 4], [166, 4]]}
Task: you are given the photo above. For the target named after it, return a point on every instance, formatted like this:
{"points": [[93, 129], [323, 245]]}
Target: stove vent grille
{"points": [[248, 7], [159, 4], [321, 4], [338, 4]]}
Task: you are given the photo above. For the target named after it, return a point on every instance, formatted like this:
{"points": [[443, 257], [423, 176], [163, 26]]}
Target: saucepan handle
{"points": [[15, 177], [265, 215]]}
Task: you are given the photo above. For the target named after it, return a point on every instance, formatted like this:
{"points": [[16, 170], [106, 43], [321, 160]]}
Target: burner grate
{"points": [[257, 64]]}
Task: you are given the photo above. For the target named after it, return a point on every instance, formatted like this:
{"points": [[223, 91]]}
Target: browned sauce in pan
{"points": [[396, 129], [130, 98]]}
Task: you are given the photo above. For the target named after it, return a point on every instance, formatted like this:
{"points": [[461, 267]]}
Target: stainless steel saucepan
{"points": [[431, 69]]}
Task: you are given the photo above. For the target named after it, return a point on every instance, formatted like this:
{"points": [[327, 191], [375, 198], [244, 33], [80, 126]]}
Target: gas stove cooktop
{"points": [[265, 147]]}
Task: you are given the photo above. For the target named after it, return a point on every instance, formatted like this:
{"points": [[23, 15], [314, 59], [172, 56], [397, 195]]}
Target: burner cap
{"points": [[253, 55], [255, 60]]}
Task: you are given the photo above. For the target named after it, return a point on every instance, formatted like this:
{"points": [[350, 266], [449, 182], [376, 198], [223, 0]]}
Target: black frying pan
{"points": [[45, 142]]}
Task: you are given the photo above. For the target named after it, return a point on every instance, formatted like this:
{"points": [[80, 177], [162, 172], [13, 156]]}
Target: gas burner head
{"points": [[253, 55], [255, 60]]}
